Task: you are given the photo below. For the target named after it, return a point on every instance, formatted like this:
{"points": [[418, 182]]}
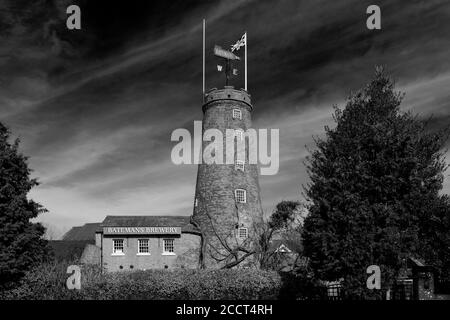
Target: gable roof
{"points": [[275, 245], [283, 249], [150, 221], [82, 233]]}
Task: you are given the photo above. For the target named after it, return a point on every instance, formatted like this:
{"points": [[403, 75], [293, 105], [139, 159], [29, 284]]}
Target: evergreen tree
{"points": [[374, 191], [21, 242]]}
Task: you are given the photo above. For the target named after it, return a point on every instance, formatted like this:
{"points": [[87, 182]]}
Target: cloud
{"points": [[95, 109]]}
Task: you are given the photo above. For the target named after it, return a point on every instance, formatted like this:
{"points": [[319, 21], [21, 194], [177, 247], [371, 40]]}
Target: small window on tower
{"points": [[239, 165], [237, 114], [243, 233], [196, 202], [240, 195]]}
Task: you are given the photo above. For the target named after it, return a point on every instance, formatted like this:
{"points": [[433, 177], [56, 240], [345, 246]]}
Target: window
{"points": [[243, 233], [239, 165], [143, 247], [334, 291], [196, 202], [237, 114], [240, 195], [118, 246], [239, 133], [403, 290], [168, 246]]}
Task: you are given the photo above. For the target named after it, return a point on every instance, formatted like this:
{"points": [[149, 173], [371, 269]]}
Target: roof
{"points": [[82, 233], [419, 265], [283, 249], [416, 262], [275, 246], [150, 221], [68, 250]]}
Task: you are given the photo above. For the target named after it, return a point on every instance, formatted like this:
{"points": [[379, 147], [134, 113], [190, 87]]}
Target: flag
{"points": [[240, 43]]}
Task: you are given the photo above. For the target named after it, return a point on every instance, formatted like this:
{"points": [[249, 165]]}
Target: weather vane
{"points": [[228, 57]]}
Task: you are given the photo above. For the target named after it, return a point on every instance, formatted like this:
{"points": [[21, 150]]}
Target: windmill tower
{"points": [[227, 205]]}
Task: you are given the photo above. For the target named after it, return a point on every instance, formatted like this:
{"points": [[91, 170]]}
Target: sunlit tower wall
{"points": [[226, 220]]}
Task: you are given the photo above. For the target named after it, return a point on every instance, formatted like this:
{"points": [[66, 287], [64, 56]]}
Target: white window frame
{"points": [[237, 114], [240, 195], [117, 252], [245, 231], [239, 165], [143, 253], [168, 253], [334, 290]]}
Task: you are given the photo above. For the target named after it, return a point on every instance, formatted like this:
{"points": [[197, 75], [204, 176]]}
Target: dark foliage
{"points": [[281, 221], [21, 243], [283, 215], [48, 282], [375, 182], [68, 250], [301, 285]]}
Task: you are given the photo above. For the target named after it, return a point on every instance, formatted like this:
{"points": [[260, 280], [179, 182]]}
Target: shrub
{"points": [[48, 282], [186, 285], [301, 285]]}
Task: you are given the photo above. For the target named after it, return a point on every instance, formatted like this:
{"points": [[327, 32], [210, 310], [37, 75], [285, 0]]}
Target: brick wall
{"points": [[186, 253], [216, 211], [91, 254]]}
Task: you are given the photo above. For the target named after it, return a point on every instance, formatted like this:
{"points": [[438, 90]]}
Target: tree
{"points": [[21, 242], [282, 224], [374, 191], [224, 245]]}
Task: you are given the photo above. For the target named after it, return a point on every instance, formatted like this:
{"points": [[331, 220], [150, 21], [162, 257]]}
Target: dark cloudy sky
{"points": [[95, 108]]}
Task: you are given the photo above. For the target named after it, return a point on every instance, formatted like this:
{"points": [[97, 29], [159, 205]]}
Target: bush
{"points": [[48, 282], [301, 285]]}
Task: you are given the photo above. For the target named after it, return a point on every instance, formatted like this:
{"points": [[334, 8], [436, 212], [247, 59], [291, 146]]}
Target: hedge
{"points": [[48, 282]]}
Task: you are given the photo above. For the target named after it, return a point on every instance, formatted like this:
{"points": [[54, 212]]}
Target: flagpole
{"points": [[204, 30], [246, 43]]}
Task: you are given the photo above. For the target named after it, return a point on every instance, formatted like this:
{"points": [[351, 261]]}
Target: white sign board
{"points": [[141, 230]]}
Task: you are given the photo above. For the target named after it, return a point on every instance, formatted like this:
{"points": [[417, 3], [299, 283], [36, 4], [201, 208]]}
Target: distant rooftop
{"points": [[83, 233], [87, 231]]}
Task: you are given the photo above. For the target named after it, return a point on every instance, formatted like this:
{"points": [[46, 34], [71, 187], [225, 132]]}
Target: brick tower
{"points": [[227, 205]]}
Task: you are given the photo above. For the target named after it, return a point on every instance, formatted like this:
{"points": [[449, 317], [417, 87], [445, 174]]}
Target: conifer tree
{"points": [[375, 191], [21, 242]]}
